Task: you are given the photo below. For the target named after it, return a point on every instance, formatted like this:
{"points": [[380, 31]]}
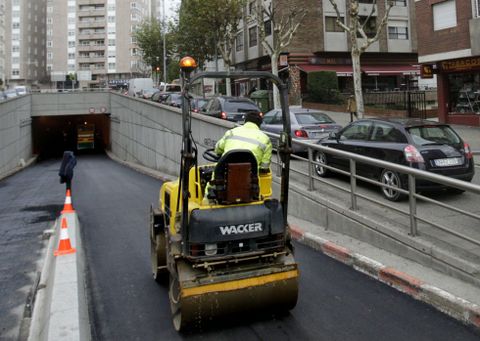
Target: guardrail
{"points": [[412, 174]]}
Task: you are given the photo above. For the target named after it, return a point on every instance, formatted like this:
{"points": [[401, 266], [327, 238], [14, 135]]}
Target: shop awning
{"points": [[390, 70], [341, 70], [370, 70]]}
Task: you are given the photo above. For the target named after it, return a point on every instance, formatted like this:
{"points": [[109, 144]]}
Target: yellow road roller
{"points": [[228, 251]]}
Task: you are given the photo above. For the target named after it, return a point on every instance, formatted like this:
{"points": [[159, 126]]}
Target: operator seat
{"points": [[235, 178]]}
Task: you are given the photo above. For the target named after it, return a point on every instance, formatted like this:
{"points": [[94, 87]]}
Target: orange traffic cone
{"points": [[67, 207], [64, 247]]}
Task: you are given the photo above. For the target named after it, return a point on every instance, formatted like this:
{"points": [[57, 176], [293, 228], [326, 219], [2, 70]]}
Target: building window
{"points": [[49, 43], [49, 55], [71, 67], [477, 8], [267, 27], [16, 25], [71, 43], [111, 66], [111, 19], [15, 48], [331, 24], [370, 27], [398, 32], [239, 42], [251, 7], [15, 60], [252, 36], [111, 42], [400, 3], [15, 72], [71, 56], [444, 15]]}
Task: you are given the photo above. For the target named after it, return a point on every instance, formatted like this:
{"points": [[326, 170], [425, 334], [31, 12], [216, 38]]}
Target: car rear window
{"points": [[312, 118], [433, 135], [240, 106]]}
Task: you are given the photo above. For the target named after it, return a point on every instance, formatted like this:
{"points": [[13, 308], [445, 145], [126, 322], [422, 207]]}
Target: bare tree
{"points": [[284, 19], [230, 12], [360, 38]]}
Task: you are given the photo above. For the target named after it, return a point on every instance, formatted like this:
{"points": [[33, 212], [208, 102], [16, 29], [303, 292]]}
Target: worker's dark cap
{"points": [[254, 117]]}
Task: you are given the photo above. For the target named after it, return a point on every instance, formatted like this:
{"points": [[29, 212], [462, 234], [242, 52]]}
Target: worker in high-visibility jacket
{"points": [[250, 137]]}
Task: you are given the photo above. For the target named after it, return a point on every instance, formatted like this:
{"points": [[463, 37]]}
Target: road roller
{"points": [[219, 238]]}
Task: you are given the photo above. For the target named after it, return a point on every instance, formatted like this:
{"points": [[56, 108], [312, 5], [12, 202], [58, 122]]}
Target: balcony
{"points": [[94, 59], [91, 13], [91, 36], [91, 24], [90, 2], [90, 48]]}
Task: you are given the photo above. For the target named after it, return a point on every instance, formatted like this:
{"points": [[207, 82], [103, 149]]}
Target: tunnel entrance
{"points": [[82, 134]]}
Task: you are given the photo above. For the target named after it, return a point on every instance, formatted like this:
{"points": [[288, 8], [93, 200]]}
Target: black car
{"points": [[229, 108], [421, 144]]}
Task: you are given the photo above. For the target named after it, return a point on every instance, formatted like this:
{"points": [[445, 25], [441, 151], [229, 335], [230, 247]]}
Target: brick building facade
{"points": [[449, 46], [319, 44]]}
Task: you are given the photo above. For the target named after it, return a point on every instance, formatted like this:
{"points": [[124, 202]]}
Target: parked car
{"points": [[10, 93], [198, 103], [229, 108], [147, 93], [421, 144], [21, 90], [174, 100], [307, 125]]}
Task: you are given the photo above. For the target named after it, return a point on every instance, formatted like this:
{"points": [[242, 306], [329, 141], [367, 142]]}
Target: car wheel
{"points": [[391, 178], [321, 158]]}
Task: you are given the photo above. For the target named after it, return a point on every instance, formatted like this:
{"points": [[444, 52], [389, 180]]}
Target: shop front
{"points": [[459, 90]]}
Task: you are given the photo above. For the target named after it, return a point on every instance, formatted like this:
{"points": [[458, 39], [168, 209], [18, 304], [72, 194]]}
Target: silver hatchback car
{"points": [[308, 125]]}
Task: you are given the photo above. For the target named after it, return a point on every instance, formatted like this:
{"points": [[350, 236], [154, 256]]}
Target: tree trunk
{"points": [[276, 93], [357, 82]]}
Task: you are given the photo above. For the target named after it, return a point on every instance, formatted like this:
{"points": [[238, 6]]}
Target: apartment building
{"points": [[2, 43], [24, 37], [449, 46], [320, 44], [93, 40]]}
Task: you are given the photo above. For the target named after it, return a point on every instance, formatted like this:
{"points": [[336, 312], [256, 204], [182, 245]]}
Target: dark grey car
{"points": [[229, 108], [421, 144]]}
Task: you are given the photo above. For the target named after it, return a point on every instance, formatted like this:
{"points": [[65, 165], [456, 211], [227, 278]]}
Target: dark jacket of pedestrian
{"points": [[66, 168]]}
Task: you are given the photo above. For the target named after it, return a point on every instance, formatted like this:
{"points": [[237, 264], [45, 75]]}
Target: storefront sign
{"points": [[426, 71], [460, 64], [283, 59]]}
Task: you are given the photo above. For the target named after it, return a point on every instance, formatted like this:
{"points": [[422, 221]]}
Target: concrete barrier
{"points": [[60, 311], [15, 134]]}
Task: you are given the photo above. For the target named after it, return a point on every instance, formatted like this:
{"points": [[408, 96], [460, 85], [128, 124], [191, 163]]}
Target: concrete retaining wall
{"points": [[150, 134], [70, 103], [15, 134]]}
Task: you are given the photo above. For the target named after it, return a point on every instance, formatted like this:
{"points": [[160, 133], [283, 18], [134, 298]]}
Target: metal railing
{"points": [[412, 173]]}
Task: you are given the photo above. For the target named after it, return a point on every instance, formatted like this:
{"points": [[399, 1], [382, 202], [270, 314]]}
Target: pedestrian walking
{"points": [[66, 169], [352, 107]]}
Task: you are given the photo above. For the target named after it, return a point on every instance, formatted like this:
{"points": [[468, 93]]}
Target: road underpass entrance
{"points": [[80, 133]]}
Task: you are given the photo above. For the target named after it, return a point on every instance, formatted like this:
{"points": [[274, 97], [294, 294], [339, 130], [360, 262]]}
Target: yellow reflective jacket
{"points": [[247, 136]]}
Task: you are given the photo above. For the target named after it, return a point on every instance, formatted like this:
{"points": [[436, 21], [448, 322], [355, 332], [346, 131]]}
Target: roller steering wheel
{"points": [[210, 155]]}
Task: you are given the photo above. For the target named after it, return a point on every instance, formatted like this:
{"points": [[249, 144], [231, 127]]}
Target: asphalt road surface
{"points": [[335, 302]]}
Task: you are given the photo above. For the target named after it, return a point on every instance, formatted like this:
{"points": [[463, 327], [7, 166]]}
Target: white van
{"points": [[21, 90], [135, 85]]}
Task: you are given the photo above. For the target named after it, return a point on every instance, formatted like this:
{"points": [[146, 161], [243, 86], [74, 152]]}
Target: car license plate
{"points": [[452, 161]]}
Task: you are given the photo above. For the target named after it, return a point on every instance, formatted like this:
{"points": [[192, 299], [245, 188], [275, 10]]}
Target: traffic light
{"points": [[158, 68]]}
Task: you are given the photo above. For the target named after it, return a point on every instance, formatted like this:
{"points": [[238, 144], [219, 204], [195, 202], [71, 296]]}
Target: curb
{"points": [[458, 308]]}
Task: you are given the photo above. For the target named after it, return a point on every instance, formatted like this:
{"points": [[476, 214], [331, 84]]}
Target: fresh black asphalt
{"points": [[335, 301]]}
